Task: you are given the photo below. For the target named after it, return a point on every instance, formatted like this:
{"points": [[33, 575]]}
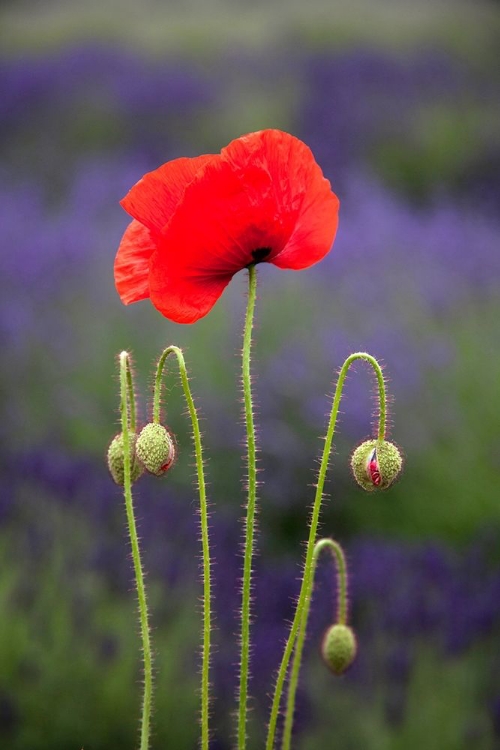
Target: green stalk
{"points": [[337, 553], [127, 404], [207, 622], [250, 517], [298, 629]]}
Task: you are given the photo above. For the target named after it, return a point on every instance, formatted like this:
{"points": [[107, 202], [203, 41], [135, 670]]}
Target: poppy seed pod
{"points": [[116, 459], [155, 449], [339, 648], [376, 465]]}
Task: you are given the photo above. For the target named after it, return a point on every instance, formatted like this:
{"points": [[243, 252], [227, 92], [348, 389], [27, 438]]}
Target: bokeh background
{"points": [[400, 103]]}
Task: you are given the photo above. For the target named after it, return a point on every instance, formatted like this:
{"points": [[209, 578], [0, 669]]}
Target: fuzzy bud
{"points": [[339, 648], [116, 463], [375, 465], [155, 448]]}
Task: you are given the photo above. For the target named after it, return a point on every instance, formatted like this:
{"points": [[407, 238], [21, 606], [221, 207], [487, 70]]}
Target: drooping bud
{"points": [[376, 465], [339, 648], [155, 448], [116, 463]]}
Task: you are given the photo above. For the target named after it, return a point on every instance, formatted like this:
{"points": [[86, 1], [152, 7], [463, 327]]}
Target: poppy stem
{"points": [[127, 409], [296, 636], [338, 554], [207, 616], [251, 504]]}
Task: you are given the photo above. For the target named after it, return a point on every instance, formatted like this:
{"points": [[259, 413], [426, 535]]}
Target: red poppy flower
{"points": [[197, 222]]}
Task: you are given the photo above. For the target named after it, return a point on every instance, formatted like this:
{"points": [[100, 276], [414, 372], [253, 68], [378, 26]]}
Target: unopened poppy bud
{"points": [[376, 465], [116, 463], [155, 448], [339, 648]]}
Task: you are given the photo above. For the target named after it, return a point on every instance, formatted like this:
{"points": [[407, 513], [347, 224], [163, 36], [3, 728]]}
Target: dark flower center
{"points": [[260, 254]]}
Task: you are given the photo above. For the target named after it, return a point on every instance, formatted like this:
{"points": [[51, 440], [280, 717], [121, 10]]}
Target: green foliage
{"points": [[444, 142], [70, 661], [440, 708]]}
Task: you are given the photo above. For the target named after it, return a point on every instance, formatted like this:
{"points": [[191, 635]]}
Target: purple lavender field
{"points": [[411, 144]]}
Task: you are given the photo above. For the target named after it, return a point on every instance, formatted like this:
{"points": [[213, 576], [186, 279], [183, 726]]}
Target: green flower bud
{"points": [[376, 465], [116, 463], [339, 648], [155, 449]]}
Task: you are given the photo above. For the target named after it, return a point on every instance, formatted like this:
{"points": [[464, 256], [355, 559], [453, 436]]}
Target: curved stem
{"points": [[207, 622], [338, 554], [127, 406], [297, 631], [250, 517]]}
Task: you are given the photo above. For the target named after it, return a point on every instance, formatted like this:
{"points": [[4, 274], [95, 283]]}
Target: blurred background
{"points": [[400, 104]]}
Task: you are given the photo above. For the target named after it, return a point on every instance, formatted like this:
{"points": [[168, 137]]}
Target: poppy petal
{"points": [[264, 198], [184, 299], [220, 221], [314, 232], [286, 162], [237, 204], [300, 191], [153, 199], [132, 263]]}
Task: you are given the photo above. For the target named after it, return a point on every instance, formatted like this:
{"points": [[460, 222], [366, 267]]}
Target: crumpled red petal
{"points": [[314, 232], [264, 192], [185, 299], [210, 237], [300, 191], [132, 263], [264, 198], [153, 199]]}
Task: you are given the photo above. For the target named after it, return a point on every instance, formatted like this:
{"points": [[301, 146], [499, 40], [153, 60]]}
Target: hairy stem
{"points": [[127, 406], [207, 616], [297, 631], [250, 517], [338, 555]]}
